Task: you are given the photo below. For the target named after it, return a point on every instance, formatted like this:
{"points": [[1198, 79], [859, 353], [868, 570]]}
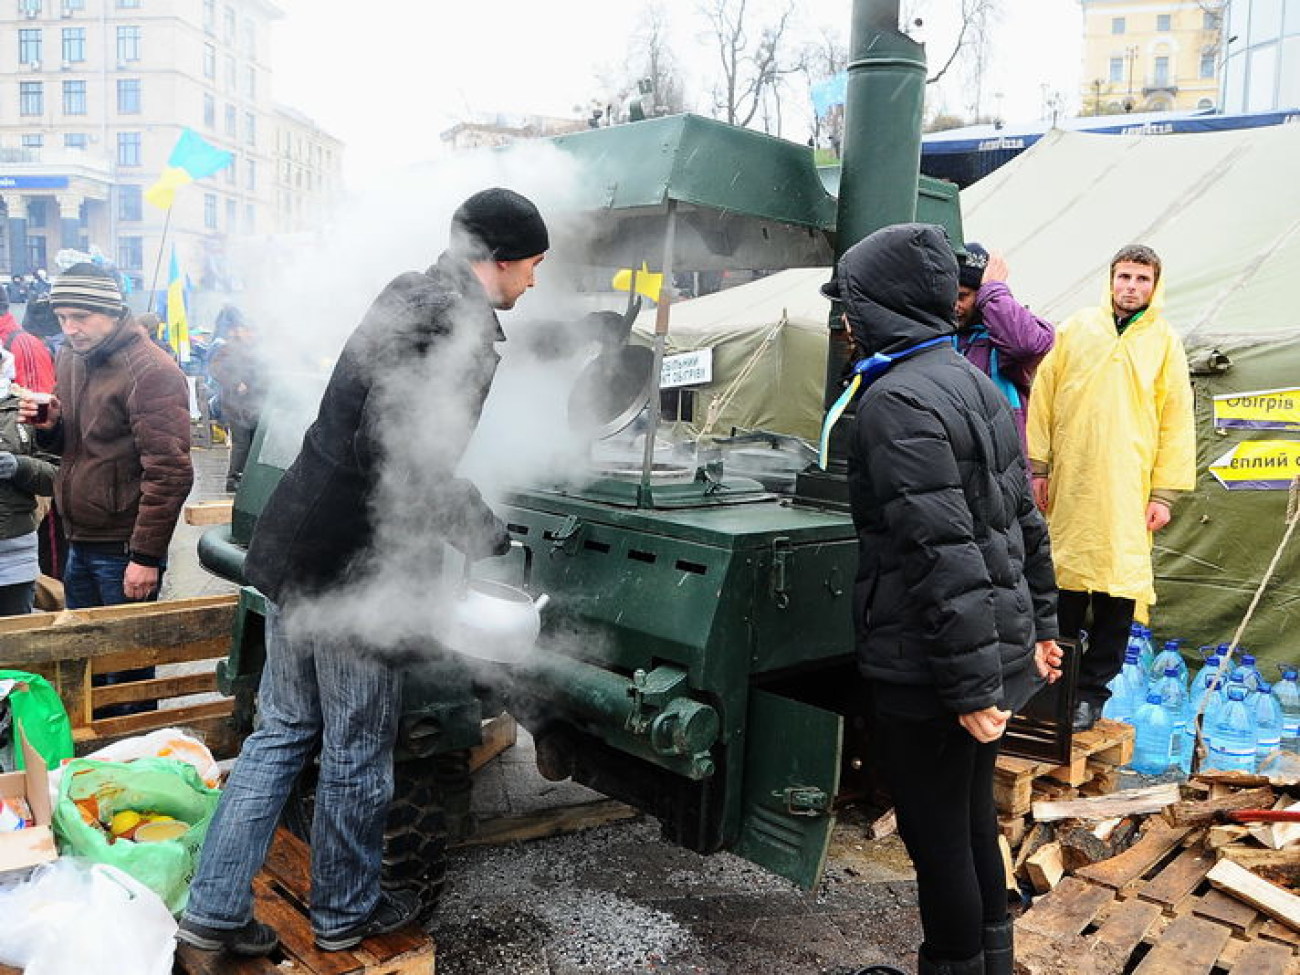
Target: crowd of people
{"points": [[1005, 478]]}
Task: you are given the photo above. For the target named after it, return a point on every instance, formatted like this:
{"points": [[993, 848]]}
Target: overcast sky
{"points": [[388, 77]]}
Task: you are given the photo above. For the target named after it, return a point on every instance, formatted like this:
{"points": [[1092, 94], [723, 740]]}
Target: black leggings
{"points": [[942, 784], [1108, 628]]}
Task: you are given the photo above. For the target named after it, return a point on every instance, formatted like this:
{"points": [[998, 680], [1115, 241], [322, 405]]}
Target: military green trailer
{"points": [[696, 659]]}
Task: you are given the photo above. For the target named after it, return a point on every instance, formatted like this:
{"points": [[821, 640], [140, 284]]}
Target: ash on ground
{"points": [[621, 899]]}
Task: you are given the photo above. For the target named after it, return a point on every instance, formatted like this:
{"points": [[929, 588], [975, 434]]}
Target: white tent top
{"points": [[1222, 209]]}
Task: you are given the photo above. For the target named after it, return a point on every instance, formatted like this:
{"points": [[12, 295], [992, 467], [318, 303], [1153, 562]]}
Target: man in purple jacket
{"points": [[998, 334]]}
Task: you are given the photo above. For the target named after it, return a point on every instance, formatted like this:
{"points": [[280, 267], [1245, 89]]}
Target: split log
{"points": [[1130, 802], [1205, 812], [1045, 868], [1257, 892], [1081, 847]]}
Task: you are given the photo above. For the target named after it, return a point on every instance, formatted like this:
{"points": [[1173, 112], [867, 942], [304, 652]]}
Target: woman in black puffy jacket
{"points": [[955, 599]]}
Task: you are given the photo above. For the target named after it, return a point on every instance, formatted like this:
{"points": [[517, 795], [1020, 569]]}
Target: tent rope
{"points": [[720, 402], [1292, 517]]}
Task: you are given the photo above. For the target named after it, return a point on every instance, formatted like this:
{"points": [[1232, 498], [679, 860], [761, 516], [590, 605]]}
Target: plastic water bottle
{"points": [[1250, 673], [1152, 742], [1268, 725], [1170, 657], [1127, 688], [1206, 682], [1287, 692], [1232, 739], [1173, 698], [1139, 638]]}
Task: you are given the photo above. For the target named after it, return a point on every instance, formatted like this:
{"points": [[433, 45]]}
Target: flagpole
{"points": [[157, 267]]}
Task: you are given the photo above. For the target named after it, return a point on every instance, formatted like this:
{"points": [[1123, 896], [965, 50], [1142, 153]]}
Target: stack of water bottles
{"points": [[1246, 721]]}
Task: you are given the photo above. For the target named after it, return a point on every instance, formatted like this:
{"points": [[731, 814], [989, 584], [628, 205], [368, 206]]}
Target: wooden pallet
{"points": [[67, 648], [1151, 911], [1095, 758], [281, 891]]}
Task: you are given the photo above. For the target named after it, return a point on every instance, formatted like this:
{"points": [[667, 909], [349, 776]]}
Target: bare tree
{"points": [[659, 64], [822, 60], [752, 71]]}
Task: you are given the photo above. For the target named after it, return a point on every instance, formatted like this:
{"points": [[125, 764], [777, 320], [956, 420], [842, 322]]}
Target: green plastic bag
{"points": [[159, 785], [36, 706]]}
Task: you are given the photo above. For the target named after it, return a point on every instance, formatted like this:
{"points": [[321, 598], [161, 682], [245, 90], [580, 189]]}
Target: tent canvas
{"points": [[1223, 211], [769, 352]]}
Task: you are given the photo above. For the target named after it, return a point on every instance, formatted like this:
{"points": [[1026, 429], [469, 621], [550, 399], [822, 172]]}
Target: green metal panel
{"points": [[792, 769]]}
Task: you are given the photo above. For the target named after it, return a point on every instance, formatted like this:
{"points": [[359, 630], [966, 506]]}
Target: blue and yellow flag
{"points": [[647, 283], [192, 158], [178, 322]]}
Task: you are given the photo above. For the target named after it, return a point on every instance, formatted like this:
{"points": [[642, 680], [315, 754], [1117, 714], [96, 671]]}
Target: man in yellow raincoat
{"points": [[1112, 440]]}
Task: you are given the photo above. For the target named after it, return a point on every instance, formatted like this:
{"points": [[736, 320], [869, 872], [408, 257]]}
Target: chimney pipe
{"points": [[879, 172]]}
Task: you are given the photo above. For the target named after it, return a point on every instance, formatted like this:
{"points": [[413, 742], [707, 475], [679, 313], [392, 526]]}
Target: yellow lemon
{"points": [[124, 822]]}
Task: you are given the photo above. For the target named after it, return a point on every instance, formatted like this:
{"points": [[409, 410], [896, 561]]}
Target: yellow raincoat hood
{"points": [[1111, 418]]}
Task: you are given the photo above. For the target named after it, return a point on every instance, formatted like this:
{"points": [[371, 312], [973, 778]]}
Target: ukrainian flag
{"points": [[192, 158], [178, 323]]}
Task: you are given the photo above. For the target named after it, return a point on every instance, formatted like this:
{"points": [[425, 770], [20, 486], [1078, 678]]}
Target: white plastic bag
{"points": [[73, 917], [162, 743]]}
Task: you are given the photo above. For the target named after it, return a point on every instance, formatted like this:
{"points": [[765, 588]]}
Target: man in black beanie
{"points": [[324, 529]]}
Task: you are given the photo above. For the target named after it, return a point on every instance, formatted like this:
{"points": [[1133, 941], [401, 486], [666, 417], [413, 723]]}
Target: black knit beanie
{"points": [[971, 265], [88, 287], [501, 222]]}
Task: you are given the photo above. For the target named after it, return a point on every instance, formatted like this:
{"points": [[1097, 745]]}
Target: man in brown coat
{"points": [[120, 420]]}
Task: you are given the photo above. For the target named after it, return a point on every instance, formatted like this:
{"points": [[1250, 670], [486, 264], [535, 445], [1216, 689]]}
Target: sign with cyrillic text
{"points": [[687, 369], [1259, 465], [1265, 409]]}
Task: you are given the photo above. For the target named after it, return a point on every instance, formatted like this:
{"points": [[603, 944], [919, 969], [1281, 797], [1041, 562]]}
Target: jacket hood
{"points": [[898, 287]]}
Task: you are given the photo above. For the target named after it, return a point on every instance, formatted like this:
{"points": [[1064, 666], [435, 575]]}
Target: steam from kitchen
{"points": [[422, 407]]}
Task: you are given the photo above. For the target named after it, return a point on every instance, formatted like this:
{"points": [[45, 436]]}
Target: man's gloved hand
{"points": [[9, 465], [499, 542]]}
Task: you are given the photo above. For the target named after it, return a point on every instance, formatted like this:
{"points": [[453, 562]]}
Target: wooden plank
{"points": [[1126, 926], [134, 724], [296, 937], [1263, 958], [499, 733], [1215, 905], [1279, 932], [1252, 857], [156, 689], [1012, 790], [1151, 799], [209, 512], [1256, 891], [109, 629], [1128, 866], [549, 822], [214, 646], [1189, 945], [1067, 910], [1179, 878]]}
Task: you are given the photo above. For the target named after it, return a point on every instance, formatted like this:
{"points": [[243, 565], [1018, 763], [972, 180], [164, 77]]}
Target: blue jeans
{"points": [[93, 577], [314, 690]]}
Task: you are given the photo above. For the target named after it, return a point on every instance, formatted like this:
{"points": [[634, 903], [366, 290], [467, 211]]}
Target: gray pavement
{"points": [[618, 898]]}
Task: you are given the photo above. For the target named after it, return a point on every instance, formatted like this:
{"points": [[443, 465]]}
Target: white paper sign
{"points": [[687, 369]]}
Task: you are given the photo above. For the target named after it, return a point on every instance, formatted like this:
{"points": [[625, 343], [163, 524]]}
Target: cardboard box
{"points": [[23, 849]]}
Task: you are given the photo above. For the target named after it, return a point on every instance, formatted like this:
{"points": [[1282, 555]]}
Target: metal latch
{"points": [[565, 539], [782, 556], [803, 800]]}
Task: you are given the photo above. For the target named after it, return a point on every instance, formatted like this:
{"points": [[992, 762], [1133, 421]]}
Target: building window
{"points": [[210, 211], [250, 178], [230, 72], [232, 125], [249, 41], [1207, 63], [1116, 70], [209, 16], [232, 215], [70, 5], [209, 111], [128, 96], [74, 98], [250, 128], [128, 4], [1117, 25], [130, 253], [75, 140], [250, 224], [34, 141], [1211, 20], [31, 98], [128, 148], [229, 174], [209, 62], [129, 205], [250, 82], [1162, 72], [30, 8], [1205, 104], [228, 25], [36, 213], [74, 44], [1164, 23], [128, 44], [29, 47]]}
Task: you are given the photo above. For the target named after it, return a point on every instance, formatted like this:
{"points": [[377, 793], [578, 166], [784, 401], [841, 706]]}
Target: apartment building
{"points": [[1151, 55], [94, 95], [1262, 65]]}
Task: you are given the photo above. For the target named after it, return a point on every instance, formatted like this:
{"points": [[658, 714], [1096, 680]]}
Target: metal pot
{"points": [[494, 621]]}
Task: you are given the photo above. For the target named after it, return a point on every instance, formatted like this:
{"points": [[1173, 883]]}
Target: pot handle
{"points": [[514, 543]]}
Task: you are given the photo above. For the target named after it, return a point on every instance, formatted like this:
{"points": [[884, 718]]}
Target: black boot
{"points": [[999, 948], [967, 966]]}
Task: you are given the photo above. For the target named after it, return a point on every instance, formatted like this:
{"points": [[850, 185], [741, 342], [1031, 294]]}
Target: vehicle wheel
{"points": [[429, 811]]}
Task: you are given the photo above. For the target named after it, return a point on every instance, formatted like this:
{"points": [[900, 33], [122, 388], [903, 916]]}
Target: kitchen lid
{"points": [[611, 390]]}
